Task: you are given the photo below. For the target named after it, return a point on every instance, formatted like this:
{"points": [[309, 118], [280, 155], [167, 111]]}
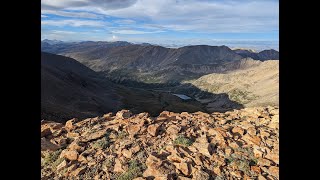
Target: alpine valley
{"points": [[124, 111], [90, 78]]}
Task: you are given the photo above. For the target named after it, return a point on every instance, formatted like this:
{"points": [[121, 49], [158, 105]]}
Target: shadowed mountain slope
{"points": [[70, 89], [262, 56]]}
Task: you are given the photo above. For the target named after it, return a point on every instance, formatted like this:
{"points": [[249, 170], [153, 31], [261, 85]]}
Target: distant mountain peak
{"points": [[52, 42], [268, 54]]}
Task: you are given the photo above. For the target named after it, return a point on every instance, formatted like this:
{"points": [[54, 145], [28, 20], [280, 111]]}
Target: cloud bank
{"points": [[174, 17]]}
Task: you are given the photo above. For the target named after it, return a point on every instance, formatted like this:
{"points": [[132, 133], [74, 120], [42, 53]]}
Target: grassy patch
{"points": [[56, 163], [122, 135], [161, 148], [135, 170], [63, 171], [241, 96], [101, 143], [243, 160], [183, 141], [141, 156], [90, 173], [107, 163], [51, 157]]}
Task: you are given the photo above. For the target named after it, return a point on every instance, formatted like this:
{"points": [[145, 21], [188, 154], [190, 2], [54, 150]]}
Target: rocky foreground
{"points": [[240, 144]]}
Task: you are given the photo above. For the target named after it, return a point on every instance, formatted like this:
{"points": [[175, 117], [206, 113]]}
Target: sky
{"points": [[236, 23]]}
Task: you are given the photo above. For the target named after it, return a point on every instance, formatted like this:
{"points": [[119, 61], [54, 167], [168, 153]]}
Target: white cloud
{"points": [[72, 14], [57, 34], [114, 37], [195, 15], [105, 4], [75, 36], [129, 31], [125, 21], [74, 23], [63, 32], [205, 16], [140, 18]]}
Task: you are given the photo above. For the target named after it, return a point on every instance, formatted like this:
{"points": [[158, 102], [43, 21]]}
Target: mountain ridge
{"points": [[148, 63]]}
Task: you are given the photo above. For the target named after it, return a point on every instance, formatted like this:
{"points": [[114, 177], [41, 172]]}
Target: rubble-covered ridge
{"points": [[239, 144]]}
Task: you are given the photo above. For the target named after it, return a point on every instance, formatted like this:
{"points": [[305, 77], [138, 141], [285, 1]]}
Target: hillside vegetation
{"points": [[254, 86]]}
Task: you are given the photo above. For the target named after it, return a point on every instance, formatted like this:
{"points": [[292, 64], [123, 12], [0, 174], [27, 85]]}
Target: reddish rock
{"points": [[127, 153], [156, 168], [217, 171], [175, 158], [139, 178], [73, 135], [183, 178], [274, 156], [75, 146], [264, 162], [123, 114], [233, 145], [274, 111], [200, 175], [203, 146], [135, 149], [257, 152], [62, 165], [133, 129], [252, 131], [274, 125], [165, 114], [72, 167], [47, 145], [54, 126], [253, 140], [118, 166], [173, 129], [82, 159], [78, 171], [94, 136], [61, 142], [236, 174], [183, 167], [216, 134], [237, 130], [69, 154], [107, 116], [153, 161], [69, 126], [260, 177], [161, 178], [256, 169], [228, 151], [153, 129], [275, 119], [274, 171], [197, 159], [45, 131]]}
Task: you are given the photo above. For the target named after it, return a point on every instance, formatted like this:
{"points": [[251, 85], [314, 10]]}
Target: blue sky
{"points": [[246, 23]]}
